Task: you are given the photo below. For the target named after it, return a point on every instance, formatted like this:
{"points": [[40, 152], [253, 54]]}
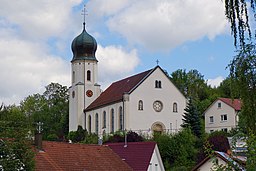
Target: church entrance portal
{"points": [[158, 127]]}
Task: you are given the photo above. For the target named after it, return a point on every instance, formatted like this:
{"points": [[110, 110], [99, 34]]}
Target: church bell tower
{"points": [[84, 76]]}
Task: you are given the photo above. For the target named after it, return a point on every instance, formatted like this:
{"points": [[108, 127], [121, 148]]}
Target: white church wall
{"points": [[168, 94], [100, 111]]}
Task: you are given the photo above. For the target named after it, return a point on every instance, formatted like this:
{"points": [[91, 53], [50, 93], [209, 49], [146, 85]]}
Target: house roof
{"points": [[234, 103], [114, 93], [224, 156], [136, 154], [64, 156]]}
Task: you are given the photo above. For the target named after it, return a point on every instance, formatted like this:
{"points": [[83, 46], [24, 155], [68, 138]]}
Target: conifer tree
{"points": [[191, 118]]}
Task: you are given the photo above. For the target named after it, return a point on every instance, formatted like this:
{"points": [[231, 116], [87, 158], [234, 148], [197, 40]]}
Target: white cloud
{"points": [[163, 24], [215, 82], [39, 19], [26, 68], [115, 63]]}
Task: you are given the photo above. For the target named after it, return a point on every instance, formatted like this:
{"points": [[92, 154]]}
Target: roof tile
{"points": [[136, 154], [64, 157], [115, 91]]}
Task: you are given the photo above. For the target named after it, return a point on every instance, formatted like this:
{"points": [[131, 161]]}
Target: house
{"points": [[141, 156], [61, 156], [222, 114], [145, 102], [220, 159]]}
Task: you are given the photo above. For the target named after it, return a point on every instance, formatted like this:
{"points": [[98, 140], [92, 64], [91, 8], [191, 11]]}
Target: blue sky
{"points": [[131, 34]]}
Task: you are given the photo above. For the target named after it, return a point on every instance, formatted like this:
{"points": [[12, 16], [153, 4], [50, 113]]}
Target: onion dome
{"points": [[84, 47]]}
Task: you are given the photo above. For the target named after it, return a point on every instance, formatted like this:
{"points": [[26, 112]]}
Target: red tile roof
{"points": [[136, 154], [114, 93], [234, 103], [59, 156]]}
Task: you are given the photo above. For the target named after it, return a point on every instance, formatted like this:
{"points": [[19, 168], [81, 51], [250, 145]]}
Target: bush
{"points": [[52, 137]]}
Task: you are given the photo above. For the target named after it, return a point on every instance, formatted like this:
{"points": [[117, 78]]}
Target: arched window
{"points": [[89, 124], [88, 75], [112, 121], [140, 105], [121, 118], [96, 123], [175, 107], [104, 120], [158, 84], [73, 76]]}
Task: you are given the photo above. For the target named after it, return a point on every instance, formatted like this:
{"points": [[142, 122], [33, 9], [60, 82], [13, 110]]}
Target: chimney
{"points": [[38, 141], [39, 136]]}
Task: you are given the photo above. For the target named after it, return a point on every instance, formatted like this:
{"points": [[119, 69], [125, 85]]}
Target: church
{"points": [[145, 102]]}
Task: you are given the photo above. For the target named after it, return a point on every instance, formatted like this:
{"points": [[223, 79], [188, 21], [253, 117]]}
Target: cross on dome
{"points": [[84, 13]]}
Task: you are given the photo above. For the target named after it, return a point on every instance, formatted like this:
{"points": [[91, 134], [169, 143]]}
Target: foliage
{"points": [[178, 149], [191, 119], [243, 76], [219, 142], [238, 14], [52, 137], [51, 108], [193, 85], [251, 154], [78, 135], [15, 146], [119, 136]]}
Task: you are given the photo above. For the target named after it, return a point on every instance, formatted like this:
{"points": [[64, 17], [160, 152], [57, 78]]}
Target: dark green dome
{"points": [[84, 47]]}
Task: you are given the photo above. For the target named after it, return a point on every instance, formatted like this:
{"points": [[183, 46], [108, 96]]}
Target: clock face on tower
{"points": [[158, 106], [89, 93]]}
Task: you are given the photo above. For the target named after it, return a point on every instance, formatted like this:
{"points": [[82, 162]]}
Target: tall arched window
{"points": [[73, 76], [88, 75], [89, 124], [175, 107], [104, 123], [112, 121], [140, 105], [96, 123], [121, 118]]}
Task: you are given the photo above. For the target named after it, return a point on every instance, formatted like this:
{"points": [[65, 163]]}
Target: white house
{"points": [[139, 155], [222, 114], [143, 102], [219, 159]]}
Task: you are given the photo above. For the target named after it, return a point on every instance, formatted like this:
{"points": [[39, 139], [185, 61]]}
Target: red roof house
{"points": [[222, 114], [139, 155], [60, 156]]}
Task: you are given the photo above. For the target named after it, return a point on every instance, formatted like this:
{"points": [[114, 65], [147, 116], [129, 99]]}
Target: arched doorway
{"points": [[158, 127]]}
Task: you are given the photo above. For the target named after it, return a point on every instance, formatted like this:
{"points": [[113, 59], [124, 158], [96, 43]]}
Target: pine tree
{"points": [[191, 118]]}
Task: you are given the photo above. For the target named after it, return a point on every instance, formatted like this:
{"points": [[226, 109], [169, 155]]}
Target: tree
{"points": [[192, 84], [240, 15], [15, 143], [192, 119], [243, 77], [177, 151], [51, 108]]}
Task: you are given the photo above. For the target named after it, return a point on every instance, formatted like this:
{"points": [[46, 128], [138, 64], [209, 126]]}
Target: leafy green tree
{"points": [[192, 84], [15, 142], [191, 119], [224, 88], [51, 108], [178, 149], [243, 77], [240, 15]]}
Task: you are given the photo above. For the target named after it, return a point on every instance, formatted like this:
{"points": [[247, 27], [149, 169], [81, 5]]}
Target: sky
{"points": [[36, 37]]}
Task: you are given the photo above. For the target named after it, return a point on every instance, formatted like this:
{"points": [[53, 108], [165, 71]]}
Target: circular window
{"points": [[158, 106]]}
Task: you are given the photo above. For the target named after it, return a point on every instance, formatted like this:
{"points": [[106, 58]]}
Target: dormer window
{"points": [[219, 105], [158, 84], [88, 75]]}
